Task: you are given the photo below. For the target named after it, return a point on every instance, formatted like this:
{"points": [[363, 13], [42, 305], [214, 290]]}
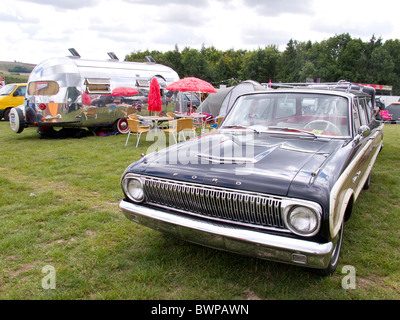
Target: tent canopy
{"points": [[394, 110], [221, 102], [213, 103]]}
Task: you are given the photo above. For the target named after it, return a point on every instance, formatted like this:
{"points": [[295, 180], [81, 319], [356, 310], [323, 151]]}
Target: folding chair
{"points": [[136, 128], [217, 122], [180, 126]]}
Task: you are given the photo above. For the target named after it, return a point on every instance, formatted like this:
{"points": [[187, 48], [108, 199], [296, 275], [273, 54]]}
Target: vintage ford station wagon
{"points": [[276, 181]]}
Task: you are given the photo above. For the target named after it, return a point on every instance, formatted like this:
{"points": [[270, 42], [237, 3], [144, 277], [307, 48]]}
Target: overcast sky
{"points": [[34, 30]]}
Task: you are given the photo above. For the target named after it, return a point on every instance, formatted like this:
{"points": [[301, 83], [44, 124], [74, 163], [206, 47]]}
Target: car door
{"points": [[365, 148], [368, 141], [18, 96]]}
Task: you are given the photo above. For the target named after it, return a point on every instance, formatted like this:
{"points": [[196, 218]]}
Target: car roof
{"points": [[342, 93], [342, 87]]}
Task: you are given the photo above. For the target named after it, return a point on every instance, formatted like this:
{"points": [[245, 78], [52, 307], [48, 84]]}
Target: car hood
{"points": [[255, 162]]}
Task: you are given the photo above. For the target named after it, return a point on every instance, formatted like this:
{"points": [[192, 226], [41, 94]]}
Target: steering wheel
{"points": [[328, 125]]}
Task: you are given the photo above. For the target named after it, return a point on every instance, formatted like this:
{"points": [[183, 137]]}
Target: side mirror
{"points": [[364, 131]]}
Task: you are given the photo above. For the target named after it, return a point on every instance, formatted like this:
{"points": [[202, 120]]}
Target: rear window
{"points": [[43, 88]]}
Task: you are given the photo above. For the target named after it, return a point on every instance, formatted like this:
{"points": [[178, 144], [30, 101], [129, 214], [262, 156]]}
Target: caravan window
{"points": [[43, 88], [142, 83], [98, 86]]}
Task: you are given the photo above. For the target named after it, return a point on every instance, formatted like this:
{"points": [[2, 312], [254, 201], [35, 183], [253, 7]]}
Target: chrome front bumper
{"points": [[232, 238]]}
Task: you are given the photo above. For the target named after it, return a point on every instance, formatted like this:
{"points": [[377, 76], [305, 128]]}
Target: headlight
{"points": [[133, 188], [302, 220]]}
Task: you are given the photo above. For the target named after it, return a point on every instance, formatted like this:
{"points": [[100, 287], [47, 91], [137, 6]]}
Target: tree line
{"points": [[338, 58]]}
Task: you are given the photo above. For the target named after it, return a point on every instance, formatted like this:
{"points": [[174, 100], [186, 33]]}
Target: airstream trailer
{"points": [[73, 92]]}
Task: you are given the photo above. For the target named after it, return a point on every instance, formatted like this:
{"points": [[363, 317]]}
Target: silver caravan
{"points": [[74, 92]]}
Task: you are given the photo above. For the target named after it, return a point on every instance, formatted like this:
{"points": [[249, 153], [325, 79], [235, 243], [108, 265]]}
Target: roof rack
{"points": [[342, 85]]}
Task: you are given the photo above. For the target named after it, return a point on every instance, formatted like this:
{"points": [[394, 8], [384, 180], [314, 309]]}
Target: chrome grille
{"points": [[216, 203]]}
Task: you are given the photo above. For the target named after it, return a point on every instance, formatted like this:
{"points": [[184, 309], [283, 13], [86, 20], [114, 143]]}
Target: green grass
{"points": [[59, 207]]}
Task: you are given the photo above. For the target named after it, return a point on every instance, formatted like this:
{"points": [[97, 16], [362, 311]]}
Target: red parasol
{"points": [[191, 84], [155, 103], [86, 99], [124, 91]]}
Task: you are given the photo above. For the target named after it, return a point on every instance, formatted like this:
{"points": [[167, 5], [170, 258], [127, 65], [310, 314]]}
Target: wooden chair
{"points": [[180, 126], [90, 111], [131, 110], [133, 116], [164, 124], [136, 128], [217, 122]]}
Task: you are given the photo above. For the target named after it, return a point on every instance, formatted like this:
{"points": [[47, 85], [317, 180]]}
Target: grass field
{"points": [[59, 208]]}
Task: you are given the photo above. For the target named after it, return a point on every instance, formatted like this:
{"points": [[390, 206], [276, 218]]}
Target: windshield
{"points": [[318, 114], [7, 89]]}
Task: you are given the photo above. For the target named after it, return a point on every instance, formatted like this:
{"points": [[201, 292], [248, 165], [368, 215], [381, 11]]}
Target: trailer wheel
{"points": [[17, 121], [121, 126]]}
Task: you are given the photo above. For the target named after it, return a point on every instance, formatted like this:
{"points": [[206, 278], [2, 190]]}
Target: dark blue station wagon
{"points": [[276, 181]]}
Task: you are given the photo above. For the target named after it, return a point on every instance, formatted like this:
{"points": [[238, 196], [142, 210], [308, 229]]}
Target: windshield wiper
{"points": [[240, 127], [293, 129]]}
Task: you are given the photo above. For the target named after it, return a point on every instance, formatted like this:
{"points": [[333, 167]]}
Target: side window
{"points": [[366, 105], [17, 93], [356, 116], [363, 111], [22, 91]]}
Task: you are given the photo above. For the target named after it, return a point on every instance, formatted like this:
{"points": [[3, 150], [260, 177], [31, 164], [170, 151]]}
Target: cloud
{"points": [[17, 18], [274, 8], [178, 15], [264, 36], [183, 37], [65, 4], [32, 30], [358, 21], [163, 3], [5, 17], [355, 29]]}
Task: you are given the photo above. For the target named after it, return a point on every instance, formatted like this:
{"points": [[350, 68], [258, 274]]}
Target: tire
{"points": [[121, 126], [17, 120], [6, 115], [334, 260]]}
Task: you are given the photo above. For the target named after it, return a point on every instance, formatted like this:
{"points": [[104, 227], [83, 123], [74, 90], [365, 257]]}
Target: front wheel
{"points": [[121, 126], [334, 260]]}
